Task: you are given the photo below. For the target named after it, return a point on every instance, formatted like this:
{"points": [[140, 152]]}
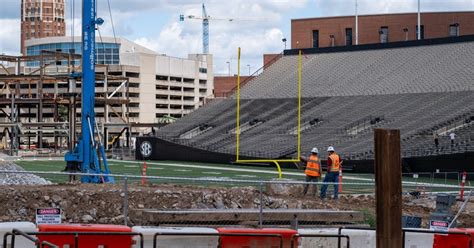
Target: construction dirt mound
{"points": [[18, 178], [87, 203]]}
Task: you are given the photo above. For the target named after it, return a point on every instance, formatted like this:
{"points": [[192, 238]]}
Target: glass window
{"points": [[454, 29], [348, 36], [315, 38], [422, 33], [383, 34]]}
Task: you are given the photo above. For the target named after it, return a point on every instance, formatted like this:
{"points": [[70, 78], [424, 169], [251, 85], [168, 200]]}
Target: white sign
{"points": [[48, 216], [439, 225]]}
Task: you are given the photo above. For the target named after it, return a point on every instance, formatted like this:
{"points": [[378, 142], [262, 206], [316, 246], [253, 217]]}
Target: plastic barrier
{"points": [[255, 238], [6, 227], [87, 236], [456, 238], [357, 238], [316, 242], [415, 238], [184, 241]]}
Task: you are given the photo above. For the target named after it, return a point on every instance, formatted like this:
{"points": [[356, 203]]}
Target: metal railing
{"points": [[338, 236], [219, 236], [36, 241], [410, 230], [28, 235]]}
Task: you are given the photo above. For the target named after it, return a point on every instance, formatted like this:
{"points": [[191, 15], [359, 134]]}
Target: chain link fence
{"points": [[214, 202]]}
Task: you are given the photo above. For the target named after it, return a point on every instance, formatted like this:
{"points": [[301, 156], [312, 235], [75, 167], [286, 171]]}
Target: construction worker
{"points": [[332, 175], [312, 170]]}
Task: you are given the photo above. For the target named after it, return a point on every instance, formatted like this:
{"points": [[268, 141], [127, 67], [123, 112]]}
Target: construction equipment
{"points": [[89, 154], [205, 25]]}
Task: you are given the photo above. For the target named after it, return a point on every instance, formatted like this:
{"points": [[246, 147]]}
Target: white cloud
{"points": [[269, 22], [255, 29], [345, 7], [10, 36]]}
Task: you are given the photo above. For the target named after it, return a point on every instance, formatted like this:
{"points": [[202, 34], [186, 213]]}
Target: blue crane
{"points": [[205, 25], [89, 153]]}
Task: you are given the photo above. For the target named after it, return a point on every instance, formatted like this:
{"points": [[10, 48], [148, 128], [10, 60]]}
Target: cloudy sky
{"points": [[258, 28]]}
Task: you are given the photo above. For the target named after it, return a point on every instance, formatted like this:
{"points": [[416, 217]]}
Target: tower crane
{"points": [[205, 25], [89, 153]]}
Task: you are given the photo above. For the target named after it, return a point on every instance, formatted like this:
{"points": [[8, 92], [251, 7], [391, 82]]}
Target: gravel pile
{"points": [[19, 178]]}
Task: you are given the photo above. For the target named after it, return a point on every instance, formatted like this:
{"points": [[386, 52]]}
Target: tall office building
{"points": [[41, 18]]}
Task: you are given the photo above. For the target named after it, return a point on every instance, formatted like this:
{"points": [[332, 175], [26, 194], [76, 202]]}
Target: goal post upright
{"points": [[237, 130], [298, 128]]}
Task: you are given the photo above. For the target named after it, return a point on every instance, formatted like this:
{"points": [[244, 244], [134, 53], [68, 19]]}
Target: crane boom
{"points": [[86, 153], [205, 25]]}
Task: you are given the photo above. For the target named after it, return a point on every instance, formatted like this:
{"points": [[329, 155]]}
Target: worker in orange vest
{"points": [[332, 176], [312, 170]]}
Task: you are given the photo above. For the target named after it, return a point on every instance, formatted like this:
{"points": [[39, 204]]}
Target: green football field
{"points": [[214, 172], [171, 169]]}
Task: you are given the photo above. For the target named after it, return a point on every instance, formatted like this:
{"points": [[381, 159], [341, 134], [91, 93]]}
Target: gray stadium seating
{"points": [[418, 90]]}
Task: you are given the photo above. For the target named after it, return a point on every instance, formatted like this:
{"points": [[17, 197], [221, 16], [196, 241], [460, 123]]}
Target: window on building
{"points": [[315, 38], [454, 29], [348, 36], [203, 70], [383, 32], [422, 32]]}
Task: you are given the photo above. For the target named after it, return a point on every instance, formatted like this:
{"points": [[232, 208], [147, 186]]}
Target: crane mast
{"points": [[205, 31], [89, 155]]}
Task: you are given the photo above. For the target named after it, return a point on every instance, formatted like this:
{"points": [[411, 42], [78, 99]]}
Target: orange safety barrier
{"points": [[67, 235], [454, 240], [340, 181], [463, 182], [144, 173], [266, 237]]}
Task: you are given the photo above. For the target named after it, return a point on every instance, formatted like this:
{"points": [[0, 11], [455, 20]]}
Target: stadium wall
{"points": [[165, 150]]}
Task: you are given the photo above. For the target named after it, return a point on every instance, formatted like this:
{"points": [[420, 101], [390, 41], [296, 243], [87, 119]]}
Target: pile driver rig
{"points": [[89, 153]]}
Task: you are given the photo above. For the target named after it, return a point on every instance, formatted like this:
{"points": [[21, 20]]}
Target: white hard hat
{"points": [[330, 149], [314, 150]]}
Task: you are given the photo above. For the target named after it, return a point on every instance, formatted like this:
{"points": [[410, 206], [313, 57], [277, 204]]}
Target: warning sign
{"points": [[48, 216], [439, 225]]}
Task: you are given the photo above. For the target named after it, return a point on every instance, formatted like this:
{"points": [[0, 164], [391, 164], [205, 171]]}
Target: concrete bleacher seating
{"points": [[417, 89]]}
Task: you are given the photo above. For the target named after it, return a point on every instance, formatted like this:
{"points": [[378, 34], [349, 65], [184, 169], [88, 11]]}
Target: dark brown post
{"points": [[388, 180]]}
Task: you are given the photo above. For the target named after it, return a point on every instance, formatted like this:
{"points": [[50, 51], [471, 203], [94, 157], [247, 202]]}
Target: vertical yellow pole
{"points": [[299, 104], [237, 131]]}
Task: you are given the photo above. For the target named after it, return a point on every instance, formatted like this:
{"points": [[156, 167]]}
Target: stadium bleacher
{"points": [[418, 89]]}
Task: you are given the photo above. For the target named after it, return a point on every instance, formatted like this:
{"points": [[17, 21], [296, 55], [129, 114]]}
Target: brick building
{"points": [[224, 85], [340, 31], [40, 19]]}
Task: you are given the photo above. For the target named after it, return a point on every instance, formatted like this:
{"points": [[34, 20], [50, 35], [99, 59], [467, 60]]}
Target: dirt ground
{"points": [[86, 203]]}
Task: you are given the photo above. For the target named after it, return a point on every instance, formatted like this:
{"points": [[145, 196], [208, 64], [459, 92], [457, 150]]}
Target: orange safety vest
{"points": [[313, 166], [336, 162]]}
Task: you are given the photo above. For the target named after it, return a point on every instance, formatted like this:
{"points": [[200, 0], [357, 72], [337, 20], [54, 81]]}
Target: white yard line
{"points": [[211, 172], [272, 172]]}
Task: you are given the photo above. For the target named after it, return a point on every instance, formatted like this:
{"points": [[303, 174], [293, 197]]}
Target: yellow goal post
{"points": [[298, 129]]}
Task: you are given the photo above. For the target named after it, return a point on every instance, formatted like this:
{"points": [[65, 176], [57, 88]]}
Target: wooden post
{"points": [[388, 181]]}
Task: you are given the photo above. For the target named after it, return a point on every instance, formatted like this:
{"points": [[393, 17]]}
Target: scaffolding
{"points": [[40, 101]]}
